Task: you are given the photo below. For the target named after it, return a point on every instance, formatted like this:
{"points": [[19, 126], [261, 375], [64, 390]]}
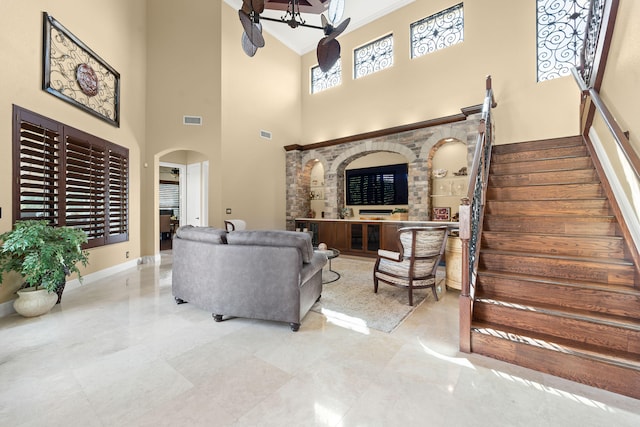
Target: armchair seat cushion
{"points": [[396, 272]]}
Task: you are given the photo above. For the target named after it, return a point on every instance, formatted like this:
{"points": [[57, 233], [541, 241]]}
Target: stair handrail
{"points": [[471, 215], [589, 77], [618, 134]]}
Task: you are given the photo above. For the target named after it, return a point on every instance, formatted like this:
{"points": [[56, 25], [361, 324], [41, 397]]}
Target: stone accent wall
{"points": [[417, 146]]}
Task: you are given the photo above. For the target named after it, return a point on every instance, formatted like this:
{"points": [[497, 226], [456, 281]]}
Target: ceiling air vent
{"points": [[192, 120], [265, 134]]}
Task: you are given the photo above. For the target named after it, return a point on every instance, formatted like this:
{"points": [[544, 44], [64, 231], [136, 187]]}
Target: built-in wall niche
{"points": [[317, 190], [449, 180], [378, 159]]}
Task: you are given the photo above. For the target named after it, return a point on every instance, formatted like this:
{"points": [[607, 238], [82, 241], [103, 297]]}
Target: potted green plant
{"points": [[43, 255], [401, 214]]}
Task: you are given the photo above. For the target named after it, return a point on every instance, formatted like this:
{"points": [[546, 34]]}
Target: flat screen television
{"points": [[379, 185]]}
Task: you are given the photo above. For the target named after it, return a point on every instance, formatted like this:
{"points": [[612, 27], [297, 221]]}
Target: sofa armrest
{"points": [[316, 263]]}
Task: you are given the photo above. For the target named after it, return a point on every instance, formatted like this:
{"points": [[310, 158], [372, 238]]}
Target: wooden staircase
{"points": [[557, 289]]}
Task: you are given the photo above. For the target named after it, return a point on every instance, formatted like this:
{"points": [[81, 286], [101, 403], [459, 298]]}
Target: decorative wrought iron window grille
{"points": [[322, 81], [373, 57], [561, 27], [437, 31]]}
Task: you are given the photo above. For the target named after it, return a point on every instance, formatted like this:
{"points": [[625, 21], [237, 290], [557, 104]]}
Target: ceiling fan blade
{"points": [[328, 53], [246, 6], [253, 31], [258, 6], [337, 30], [249, 48], [336, 10], [249, 6]]}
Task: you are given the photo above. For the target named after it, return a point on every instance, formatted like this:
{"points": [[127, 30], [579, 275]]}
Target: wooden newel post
{"points": [[465, 302]]}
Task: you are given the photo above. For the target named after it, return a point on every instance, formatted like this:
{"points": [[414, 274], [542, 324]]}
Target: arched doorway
{"points": [[189, 171]]}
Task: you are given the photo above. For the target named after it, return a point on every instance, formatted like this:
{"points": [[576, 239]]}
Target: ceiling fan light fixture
{"points": [[250, 18]]}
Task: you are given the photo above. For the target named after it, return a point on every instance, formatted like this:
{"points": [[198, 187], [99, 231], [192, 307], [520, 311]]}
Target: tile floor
{"points": [[120, 352]]}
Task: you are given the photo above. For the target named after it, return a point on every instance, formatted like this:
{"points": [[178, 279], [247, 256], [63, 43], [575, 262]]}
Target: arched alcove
{"points": [[448, 162]]}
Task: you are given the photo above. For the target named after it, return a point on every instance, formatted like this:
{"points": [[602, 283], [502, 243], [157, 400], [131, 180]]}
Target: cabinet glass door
{"points": [[373, 237], [357, 237]]}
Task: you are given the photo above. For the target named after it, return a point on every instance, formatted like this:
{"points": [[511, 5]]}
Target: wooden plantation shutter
{"points": [[70, 178], [85, 186], [37, 168], [118, 190]]}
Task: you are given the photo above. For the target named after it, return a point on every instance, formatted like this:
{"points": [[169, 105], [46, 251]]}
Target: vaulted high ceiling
{"points": [[303, 40]]}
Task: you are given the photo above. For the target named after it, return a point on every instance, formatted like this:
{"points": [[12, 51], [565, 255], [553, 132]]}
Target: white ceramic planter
{"points": [[32, 302]]}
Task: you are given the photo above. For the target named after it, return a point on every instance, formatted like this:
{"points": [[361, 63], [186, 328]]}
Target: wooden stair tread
{"points": [[609, 356], [552, 225], [541, 155], [563, 282], [536, 178], [538, 144], [568, 236], [556, 164], [612, 261], [549, 208], [568, 218], [568, 313]]}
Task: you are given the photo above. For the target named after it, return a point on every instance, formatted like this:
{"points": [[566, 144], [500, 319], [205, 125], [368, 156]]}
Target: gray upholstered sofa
{"points": [[268, 275]]}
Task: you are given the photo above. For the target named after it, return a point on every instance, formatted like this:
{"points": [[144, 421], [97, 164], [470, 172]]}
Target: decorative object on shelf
{"points": [[328, 50], [441, 214], [76, 74], [439, 173], [346, 213], [43, 255], [461, 172], [400, 214]]}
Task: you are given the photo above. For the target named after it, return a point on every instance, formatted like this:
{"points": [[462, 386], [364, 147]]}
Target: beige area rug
{"points": [[350, 300]]}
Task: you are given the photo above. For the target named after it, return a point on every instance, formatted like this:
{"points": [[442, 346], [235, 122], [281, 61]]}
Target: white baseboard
{"points": [[6, 308], [628, 211]]}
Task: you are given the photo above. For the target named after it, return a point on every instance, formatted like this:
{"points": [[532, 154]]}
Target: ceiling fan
{"points": [[328, 50]]}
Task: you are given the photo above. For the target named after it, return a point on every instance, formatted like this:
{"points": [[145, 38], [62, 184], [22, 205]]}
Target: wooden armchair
{"points": [[414, 267]]}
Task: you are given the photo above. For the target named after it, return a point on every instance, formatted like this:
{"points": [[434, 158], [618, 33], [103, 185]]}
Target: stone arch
{"points": [[335, 185], [314, 155], [368, 148], [440, 135]]}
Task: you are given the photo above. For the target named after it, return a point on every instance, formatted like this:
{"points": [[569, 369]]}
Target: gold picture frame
{"points": [[76, 74]]}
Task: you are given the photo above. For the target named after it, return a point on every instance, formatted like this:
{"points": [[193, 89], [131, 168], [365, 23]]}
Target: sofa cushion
{"points": [[301, 241], [202, 234]]}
